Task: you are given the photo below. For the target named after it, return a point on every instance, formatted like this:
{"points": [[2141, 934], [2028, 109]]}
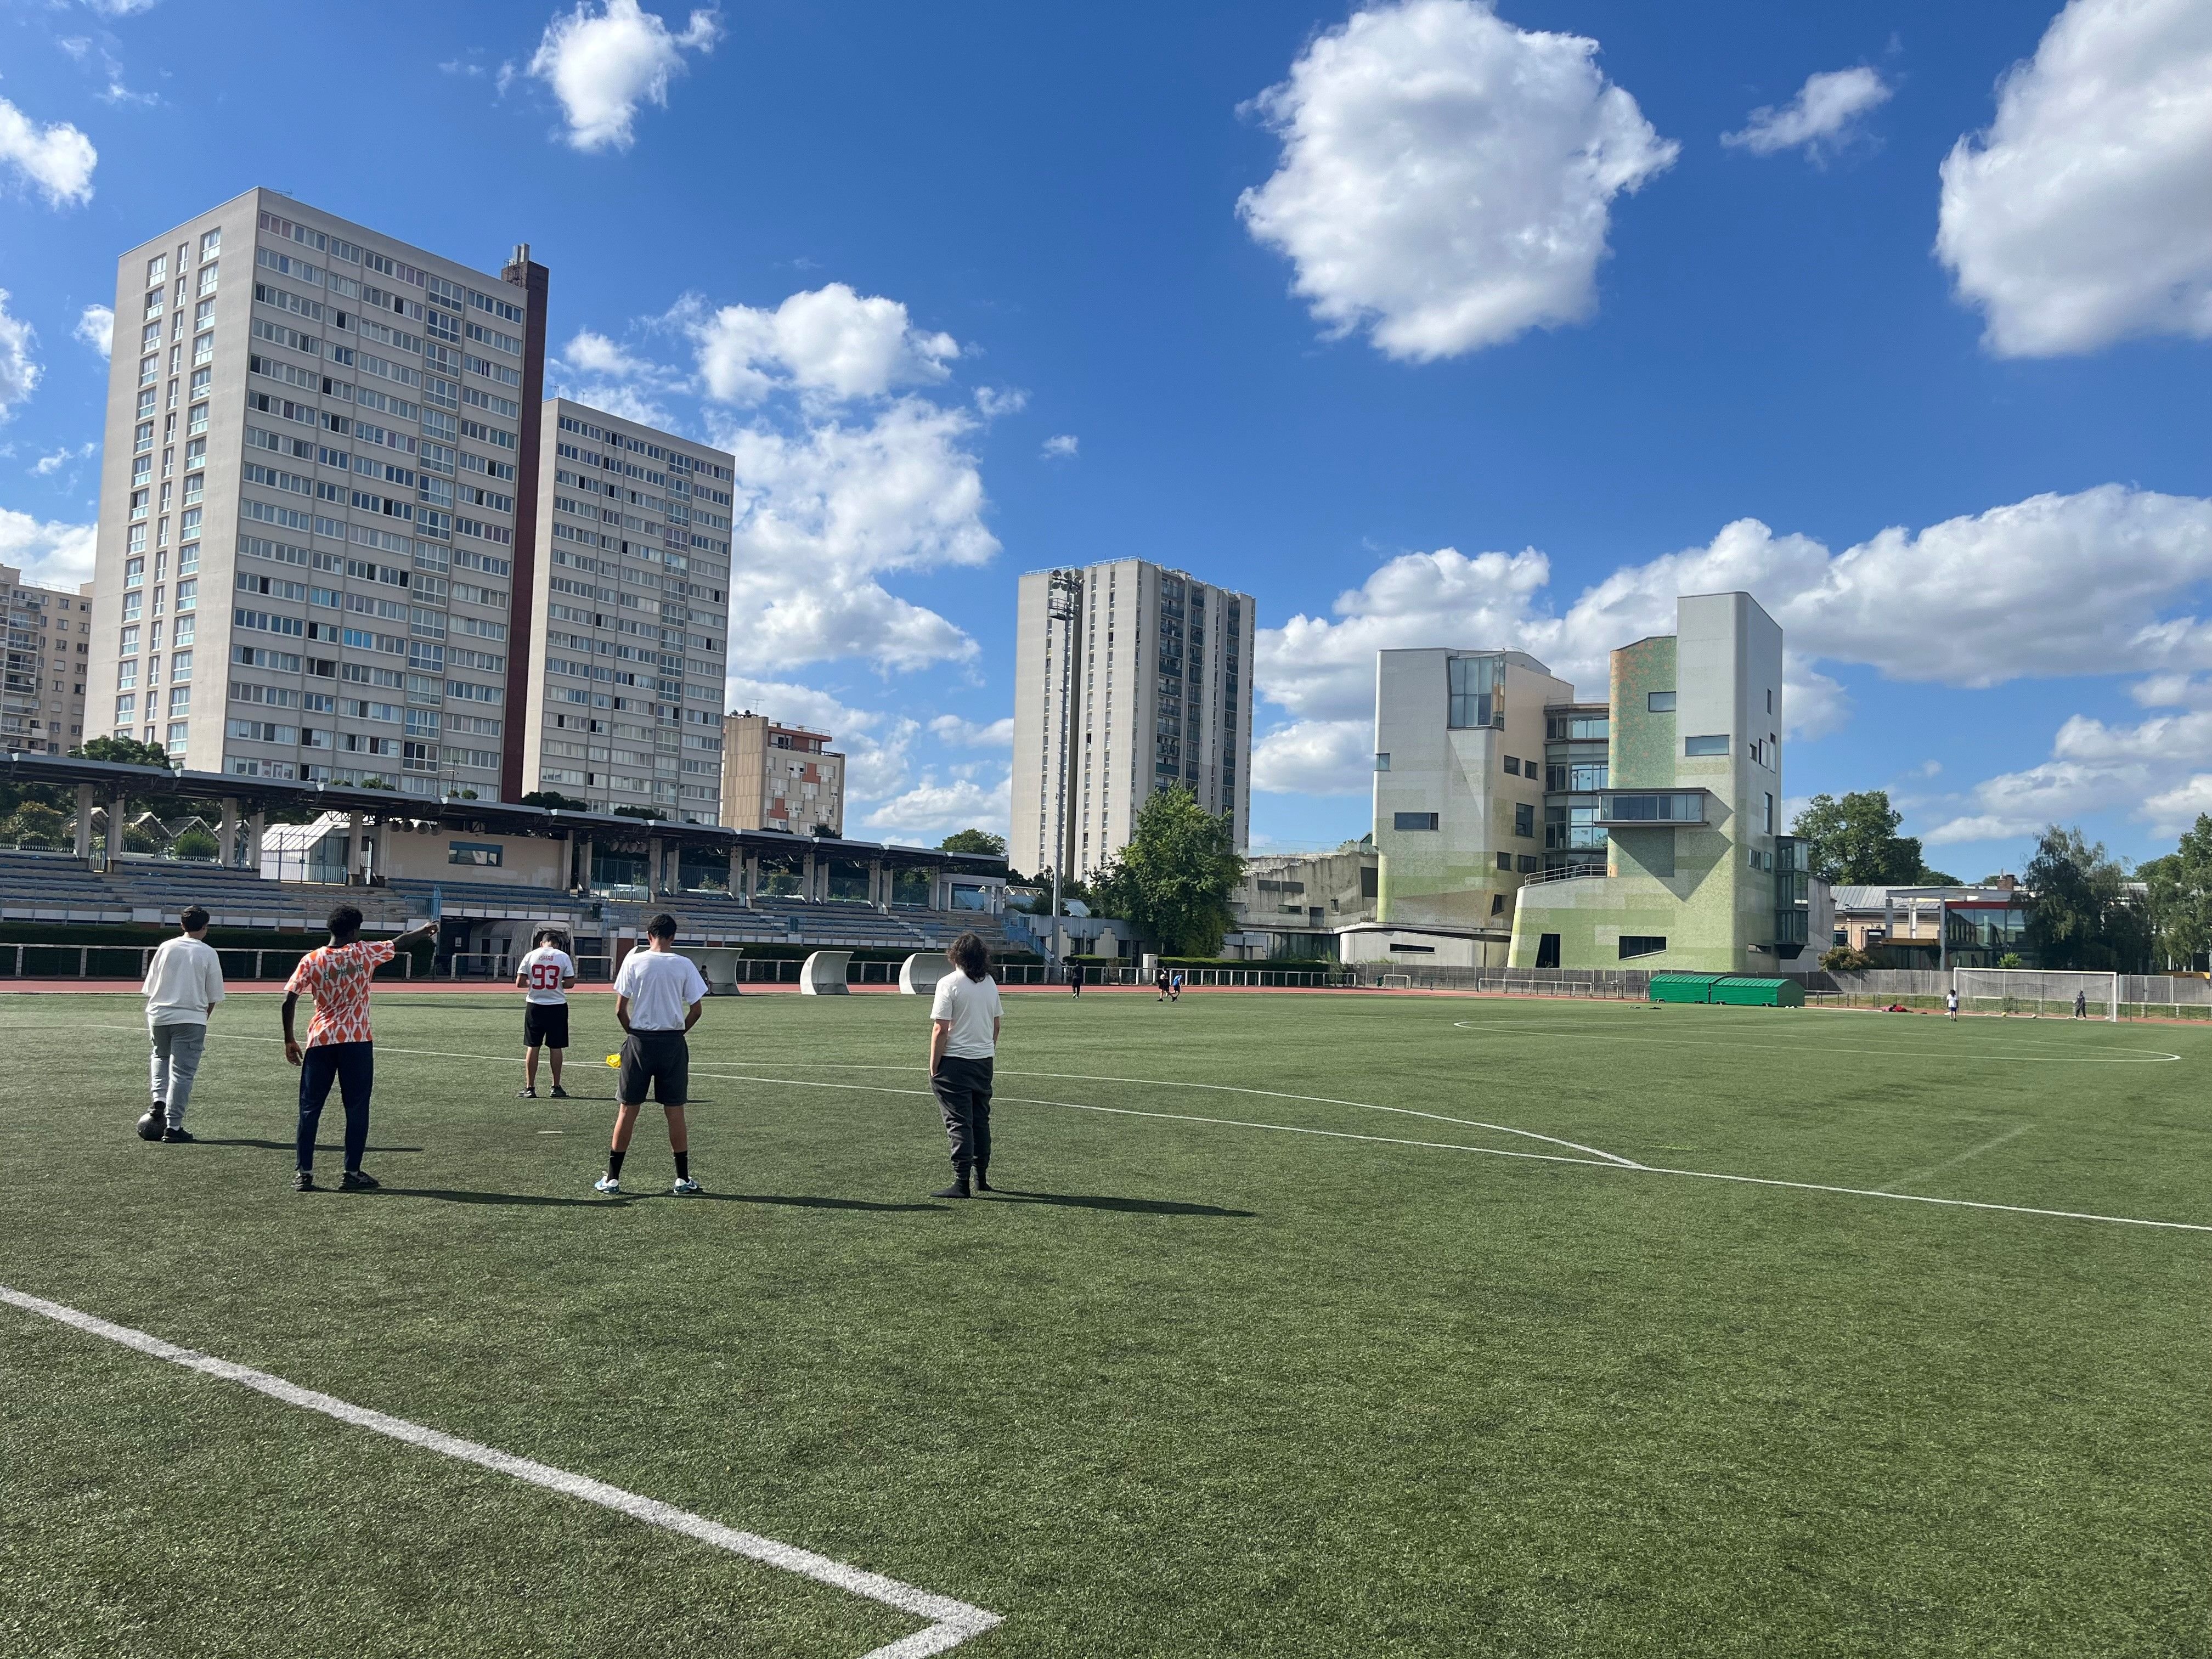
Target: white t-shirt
{"points": [[661, 987], [972, 1007], [183, 982], [542, 972]]}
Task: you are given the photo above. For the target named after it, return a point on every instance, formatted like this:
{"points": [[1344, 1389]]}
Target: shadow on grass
{"points": [[286, 1145], [795, 1202], [1128, 1205], [528, 1201]]}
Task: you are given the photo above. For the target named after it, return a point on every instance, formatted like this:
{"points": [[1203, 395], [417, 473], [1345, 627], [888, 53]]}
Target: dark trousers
{"points": [[963, 1090], [352, 1066]]}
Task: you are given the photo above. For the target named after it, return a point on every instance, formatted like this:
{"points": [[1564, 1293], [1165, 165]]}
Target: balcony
{"points": [[1654, 809]]}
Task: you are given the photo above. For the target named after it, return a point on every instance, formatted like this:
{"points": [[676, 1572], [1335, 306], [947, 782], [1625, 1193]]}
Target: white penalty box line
{"points": [[950, 1622]]}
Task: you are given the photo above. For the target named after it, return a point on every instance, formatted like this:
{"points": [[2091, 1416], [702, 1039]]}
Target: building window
{"points": [[1381, 763], [1641, 945], [1498, 904], [1660, 702], [1413, 820], [1694, 747], [1526, 864], [1513, 765], [1474, 701], [487, 854], [1505, 861], [1524, 819]]}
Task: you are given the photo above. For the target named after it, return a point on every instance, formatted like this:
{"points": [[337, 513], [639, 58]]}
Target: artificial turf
{"points": [[1187, 1388]]}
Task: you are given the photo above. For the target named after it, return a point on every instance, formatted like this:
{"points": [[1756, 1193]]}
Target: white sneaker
{"points": [[606, 1184], [686, 1186]]}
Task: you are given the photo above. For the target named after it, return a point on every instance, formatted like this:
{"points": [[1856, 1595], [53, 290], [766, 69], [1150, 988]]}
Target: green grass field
{"points": [[1189, 1388]]}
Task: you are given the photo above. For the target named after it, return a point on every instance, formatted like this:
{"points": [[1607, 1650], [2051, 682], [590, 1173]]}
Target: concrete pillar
{"points": [[806, 876], [115, 809], [656, 871], [737, 870], [354, 849], [230, 832], [254, 828], [878, 895], [584, 864], [752, 877], [84, 820]]}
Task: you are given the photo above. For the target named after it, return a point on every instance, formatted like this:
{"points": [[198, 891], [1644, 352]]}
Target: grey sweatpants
{"points": [[177, 1051]]}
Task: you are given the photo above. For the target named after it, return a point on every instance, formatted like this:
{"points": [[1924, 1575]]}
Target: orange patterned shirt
{"points": [[337, 977]]}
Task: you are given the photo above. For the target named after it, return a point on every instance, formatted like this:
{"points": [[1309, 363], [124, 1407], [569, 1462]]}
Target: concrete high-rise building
{"points": [[776, 776], [1129, 678], [316, 442], [42, 682], [631, 605]]}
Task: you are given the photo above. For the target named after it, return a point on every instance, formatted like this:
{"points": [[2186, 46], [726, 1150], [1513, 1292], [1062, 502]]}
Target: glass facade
{"points": [[1474, 685]]}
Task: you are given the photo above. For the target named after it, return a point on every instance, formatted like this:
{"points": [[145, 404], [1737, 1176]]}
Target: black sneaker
{"points": [[981, 1185], [958, 1189], [355, 1181], [175, 1135], [559, 1093], [525, 1094], [303, 1181]]}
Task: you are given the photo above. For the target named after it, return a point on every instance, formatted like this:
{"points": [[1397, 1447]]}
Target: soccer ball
{"points": [[151, 1126]]}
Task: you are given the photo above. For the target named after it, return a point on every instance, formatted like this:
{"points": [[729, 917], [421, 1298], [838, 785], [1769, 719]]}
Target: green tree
{"points": [[34, 824], [2084, 916], [143, 838], [1174, 878], [1854, 841], [125, 751], [2178, 889], [973, 840], [555, 801], [196, 843]]}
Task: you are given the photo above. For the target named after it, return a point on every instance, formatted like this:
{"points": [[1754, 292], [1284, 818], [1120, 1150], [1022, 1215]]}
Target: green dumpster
{"points": [[1744, 991], [1684, 988]]}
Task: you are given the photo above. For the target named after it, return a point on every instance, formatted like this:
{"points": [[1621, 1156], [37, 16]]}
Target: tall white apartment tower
{"points": [[309, 539], [632, 604], [1129, 677]]}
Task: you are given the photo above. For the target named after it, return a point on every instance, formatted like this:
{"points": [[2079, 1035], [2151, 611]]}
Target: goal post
{"points": [[1397, 981], [2036, 992]]}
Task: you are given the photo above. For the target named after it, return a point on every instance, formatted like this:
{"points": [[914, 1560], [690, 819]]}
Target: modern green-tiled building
{"points": [[1658, 810]]}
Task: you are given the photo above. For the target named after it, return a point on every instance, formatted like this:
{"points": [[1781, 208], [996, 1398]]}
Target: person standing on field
{"points": [[340, 1048], [659, 996], [1951, 1002], [1161, 979], [964, 1041], [182, 984], [547, 974], [2081, 1004]]}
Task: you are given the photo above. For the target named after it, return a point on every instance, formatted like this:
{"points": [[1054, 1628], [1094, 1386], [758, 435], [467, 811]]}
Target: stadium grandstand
{"points": [[490, 872]]}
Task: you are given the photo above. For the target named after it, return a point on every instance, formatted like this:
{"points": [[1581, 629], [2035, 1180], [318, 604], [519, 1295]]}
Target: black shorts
{"points": [[660, 1058], [545, 1026]]}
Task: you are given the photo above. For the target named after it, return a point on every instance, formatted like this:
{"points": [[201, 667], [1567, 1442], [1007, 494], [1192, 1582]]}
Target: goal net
{"points": [[2037, 993], [1397, 981]]}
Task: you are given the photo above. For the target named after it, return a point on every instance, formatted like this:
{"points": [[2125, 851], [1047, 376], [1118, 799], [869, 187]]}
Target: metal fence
{"points": [[2021, 992], [131, 962]]}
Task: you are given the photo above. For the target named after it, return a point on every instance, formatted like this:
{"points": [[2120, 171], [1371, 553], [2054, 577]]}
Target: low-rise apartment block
{"points": [[42, 676], [776, 776]]}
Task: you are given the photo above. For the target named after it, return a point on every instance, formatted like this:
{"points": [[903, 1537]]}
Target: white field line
{"points": [[950, 1622], [1989, 1145], [2135, 1057], [1600, 1161]]}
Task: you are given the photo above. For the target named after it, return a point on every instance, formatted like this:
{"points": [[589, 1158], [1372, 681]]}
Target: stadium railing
{"points": [[131, 962]]}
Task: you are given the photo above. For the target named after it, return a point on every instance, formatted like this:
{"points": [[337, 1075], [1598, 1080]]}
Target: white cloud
{"points": [[2093, 583], [930, 808], [47, 466], [50, 554], [875, 744], [846, 504], [602, 64], [2084, 215], [57, 158], [121, 7], [95, 327], [19, 373], [1060, 448], [2161, 770], [631, 403], [595, 354], [1316, 757], [1445, 178], [971, 734], [828, 341], [1819, 117], [991, 402]]}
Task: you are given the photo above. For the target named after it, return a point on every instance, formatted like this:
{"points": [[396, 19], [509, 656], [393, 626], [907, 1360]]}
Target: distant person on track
{"points": [[340, 1048], [1075, 979], [1951, 1002], [546, 975], [659, 997], [183, 982], [963, 1042]]}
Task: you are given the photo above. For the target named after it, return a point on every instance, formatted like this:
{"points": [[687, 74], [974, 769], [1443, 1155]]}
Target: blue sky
{"points": [[1469, 331]]}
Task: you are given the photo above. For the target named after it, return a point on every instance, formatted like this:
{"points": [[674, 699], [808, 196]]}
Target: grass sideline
{"points": [[1191, 1388]]}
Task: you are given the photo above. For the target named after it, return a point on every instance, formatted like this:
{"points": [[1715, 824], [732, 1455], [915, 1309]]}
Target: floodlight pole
{"points": [[1063, 603]]}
